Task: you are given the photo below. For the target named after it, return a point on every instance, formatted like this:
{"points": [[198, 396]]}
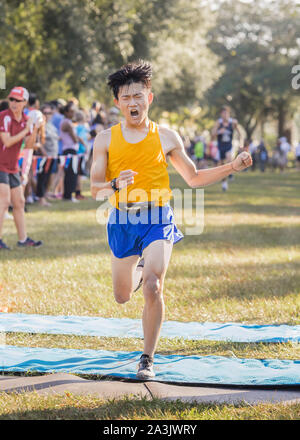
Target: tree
{"points": [[72, 45], [258, 44]]}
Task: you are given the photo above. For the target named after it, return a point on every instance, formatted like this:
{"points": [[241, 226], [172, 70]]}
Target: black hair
{"points": [[32, 98], [135, 72], [54, 103], [225, 108], [3, 105], [67, 107], [46, 105], [97, 120]]}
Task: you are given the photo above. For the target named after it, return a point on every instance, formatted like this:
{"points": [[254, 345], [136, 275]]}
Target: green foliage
{"points": [[257, 44], [67, 48]]}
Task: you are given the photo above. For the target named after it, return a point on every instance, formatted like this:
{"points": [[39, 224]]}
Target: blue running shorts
{"points": [[130, 233], [223, 149]]}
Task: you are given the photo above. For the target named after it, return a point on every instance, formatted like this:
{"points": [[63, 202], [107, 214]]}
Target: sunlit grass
{"points": [[244, 267], [32, 406]]}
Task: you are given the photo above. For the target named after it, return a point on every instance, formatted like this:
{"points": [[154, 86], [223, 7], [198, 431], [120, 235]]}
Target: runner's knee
{"points": [[122, 297], [152, 288]]}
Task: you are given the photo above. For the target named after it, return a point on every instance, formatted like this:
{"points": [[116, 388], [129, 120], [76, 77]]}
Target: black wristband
{"points": [[114, 184]]}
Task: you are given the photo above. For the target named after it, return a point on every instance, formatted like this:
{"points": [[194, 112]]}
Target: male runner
{"points": [[15, 127], [223, 130], [129, 164]]}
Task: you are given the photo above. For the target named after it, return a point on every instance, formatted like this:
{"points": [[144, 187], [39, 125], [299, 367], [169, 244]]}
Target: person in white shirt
{"points": [[284, 148]]}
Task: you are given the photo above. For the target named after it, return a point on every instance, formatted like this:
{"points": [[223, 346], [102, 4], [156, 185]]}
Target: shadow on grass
{"points": [[243, 236], [129, 408], [248, 281], [60, 241], [282, 211], [73, 239]]}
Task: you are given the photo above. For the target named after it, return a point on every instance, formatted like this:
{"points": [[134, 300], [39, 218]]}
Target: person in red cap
{"points": [[15, 127]]}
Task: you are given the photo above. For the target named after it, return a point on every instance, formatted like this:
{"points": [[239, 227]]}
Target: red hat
{"points": [[20, 93]]}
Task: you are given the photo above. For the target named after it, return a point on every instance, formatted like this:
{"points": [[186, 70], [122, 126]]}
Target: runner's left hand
{"points": [[242, 161]]}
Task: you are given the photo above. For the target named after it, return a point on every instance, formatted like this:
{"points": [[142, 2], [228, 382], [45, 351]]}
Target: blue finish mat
{"points": [[132, 328], [180, 369]]}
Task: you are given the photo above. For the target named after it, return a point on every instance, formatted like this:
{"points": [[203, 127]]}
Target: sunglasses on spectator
{"points": [[47, 113], [14, 100]]}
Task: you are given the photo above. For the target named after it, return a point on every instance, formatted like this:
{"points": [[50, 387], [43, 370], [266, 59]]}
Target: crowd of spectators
{"points": [[63, 151], [205, 153]]}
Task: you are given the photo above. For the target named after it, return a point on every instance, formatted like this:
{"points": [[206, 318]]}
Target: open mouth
{"points": [[134, 113]]}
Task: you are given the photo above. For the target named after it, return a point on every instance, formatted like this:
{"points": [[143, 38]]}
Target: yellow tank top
{"points": [[147, 159]]}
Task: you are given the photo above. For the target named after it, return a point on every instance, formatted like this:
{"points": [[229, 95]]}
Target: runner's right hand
{"points": [[125, 178]]}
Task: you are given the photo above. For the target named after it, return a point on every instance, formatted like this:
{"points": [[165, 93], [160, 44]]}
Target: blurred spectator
{"points": [[27, 172], [199, 152], [4, 105], [57, 117], [253, 152], [100, 118], [75, 102], [82, 132], [262, 156], [70, 146], [245, 147], [48, 149], [297, 154], [56, 184], [93, 135], [284, 148], [33, 103], [114, 116], [96, 106], [214, 152]]}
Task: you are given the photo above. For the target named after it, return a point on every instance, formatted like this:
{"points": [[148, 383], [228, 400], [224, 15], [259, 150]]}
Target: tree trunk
{"points": [[281, 118]]}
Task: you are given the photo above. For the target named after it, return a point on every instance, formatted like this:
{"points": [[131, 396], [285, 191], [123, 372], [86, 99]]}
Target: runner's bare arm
{"points": [[238, 130], [99, 187], [67, 128], [198, 178]]}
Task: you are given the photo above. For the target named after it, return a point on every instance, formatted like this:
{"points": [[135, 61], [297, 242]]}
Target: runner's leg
{"points": [[157, 256], [124, 276]]}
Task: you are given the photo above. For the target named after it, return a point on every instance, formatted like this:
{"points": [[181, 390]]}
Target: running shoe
{"points": [[4, 246], [224, 186], [139, 267], [145, 370], [30, 243], [8, 216]]}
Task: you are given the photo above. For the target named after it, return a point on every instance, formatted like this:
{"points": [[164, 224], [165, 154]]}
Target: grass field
{"points": [[244, 267]]}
